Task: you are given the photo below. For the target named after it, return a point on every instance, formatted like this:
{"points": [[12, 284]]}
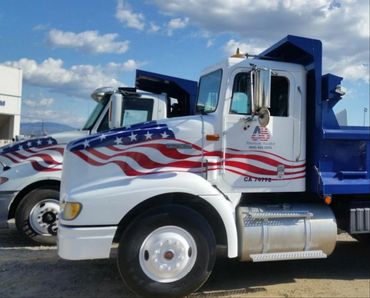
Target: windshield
{"points": [[135, 110], [96, 113], [209, 89]]}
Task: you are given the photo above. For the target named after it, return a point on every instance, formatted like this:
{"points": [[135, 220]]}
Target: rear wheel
{"points": [[166, 252], [37, 216]]}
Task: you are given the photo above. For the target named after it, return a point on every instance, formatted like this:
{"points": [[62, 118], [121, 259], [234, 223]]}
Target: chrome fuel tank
{"points": [[282, 228]]}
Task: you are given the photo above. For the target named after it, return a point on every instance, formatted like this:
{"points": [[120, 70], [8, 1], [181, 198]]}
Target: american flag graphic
{"points": [[263, 164], [152, 148], [139, 150], [44, 154], [260, 134]]}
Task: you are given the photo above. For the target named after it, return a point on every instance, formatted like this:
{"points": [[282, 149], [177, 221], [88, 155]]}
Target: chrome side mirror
{"points": [[115, 110], [263, 117], [261, 94]]}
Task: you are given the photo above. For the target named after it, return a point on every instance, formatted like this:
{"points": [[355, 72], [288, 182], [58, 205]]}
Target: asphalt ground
{"points": [[36, 271]]}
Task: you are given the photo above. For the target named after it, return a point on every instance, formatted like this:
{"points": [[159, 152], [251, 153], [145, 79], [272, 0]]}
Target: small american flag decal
{"points": [[260, 134]]}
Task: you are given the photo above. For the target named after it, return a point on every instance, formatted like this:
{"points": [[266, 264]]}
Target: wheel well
{"points": [[53, 184], [183, 199]]}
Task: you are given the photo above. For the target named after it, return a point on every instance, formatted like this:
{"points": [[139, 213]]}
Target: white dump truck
{"points": [[263, 171], [30, 170]]}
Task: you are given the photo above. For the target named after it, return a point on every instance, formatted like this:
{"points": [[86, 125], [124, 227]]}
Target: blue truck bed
{"points": [[338, 158]]}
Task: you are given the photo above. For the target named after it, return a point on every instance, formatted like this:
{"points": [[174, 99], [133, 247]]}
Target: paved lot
{"points": [[34, 271]]}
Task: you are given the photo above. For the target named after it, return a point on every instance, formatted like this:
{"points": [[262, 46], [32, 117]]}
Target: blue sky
{"points": [[68, 48]]}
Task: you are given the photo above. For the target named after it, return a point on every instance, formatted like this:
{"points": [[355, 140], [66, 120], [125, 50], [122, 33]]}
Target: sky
{"points": [[69, 48]]}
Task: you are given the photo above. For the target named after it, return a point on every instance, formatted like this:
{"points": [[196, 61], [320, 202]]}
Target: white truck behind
{"points": [[30, 170]]}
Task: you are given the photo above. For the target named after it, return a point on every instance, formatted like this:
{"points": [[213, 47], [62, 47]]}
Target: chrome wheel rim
{"points": [[44, 216], [168, 254]]}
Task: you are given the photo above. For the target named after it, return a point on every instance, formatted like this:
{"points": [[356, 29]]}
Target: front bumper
{"points": [[81, 243], [6, 198]]}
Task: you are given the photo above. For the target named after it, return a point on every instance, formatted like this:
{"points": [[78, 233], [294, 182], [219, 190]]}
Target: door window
{"points": [[241, 100], [279, 96]]}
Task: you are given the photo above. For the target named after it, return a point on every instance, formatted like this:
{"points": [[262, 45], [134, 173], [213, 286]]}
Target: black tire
{"points": [[364, 238], [134, 237], [32, 200]]}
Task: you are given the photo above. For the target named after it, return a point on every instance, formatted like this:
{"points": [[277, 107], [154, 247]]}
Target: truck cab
{"points": [[263, 172], [30, 170]]}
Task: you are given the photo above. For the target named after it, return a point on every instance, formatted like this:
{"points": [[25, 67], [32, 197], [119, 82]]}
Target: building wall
{"points": [[10, 102]]}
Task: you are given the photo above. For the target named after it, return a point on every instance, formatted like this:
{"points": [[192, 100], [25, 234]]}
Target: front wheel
{"points": [[37, 216], [167, 252]]}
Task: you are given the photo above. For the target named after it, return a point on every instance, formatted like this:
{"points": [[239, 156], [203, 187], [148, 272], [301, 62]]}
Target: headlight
{"points": [[70, 210], [3, 180]]}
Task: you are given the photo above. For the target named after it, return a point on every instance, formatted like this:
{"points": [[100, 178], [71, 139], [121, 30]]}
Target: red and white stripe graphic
{"points": [[145, 158], [43, 159], [166, 155], [263, 164]]}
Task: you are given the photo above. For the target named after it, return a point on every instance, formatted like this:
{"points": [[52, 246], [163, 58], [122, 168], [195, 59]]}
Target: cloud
{"points": [[349, 68], [176, 24], [77, 80], [41, 27], [210, 43], [342, 25], [245, 48], [52, 115], [42, 109], [130, 19], [40, 103], [154, 28], [90, 41], [129, 65]]}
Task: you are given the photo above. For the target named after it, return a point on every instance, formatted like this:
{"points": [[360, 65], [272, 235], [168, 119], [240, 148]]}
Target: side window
{"points": [[240, 101], [104, 125], [136, 110], [279, 96]]}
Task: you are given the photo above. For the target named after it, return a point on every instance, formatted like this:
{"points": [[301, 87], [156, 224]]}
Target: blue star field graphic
{"points": [[124, 136], [28, 144]]}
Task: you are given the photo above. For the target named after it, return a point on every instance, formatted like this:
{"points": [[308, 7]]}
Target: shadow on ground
{"points": [[349, 261], [32, 271]]}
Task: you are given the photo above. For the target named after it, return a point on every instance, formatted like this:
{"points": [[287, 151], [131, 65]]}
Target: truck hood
{"points": [[34, 148], [137, 133], [159, 147]]}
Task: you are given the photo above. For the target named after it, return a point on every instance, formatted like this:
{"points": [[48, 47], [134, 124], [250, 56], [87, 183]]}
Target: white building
{"points": [[10, 102]]}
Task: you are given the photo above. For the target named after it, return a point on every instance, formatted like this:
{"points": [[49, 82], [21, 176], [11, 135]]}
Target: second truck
{"points": [[30, 170]]}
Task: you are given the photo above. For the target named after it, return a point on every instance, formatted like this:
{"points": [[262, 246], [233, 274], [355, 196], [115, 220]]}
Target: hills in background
{"points": [[43, 128]]}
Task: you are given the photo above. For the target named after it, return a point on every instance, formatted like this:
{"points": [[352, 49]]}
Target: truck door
{"points": [[256, 158]]}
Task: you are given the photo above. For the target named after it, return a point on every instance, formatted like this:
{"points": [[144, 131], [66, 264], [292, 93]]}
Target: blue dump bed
{"points": [[345, 161], [338, 158], [182, 89]]}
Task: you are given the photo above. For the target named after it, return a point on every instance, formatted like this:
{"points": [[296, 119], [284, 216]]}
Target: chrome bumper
{"points": [[6, 198]]}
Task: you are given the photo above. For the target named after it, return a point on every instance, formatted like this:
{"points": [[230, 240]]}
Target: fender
{"points": [[126, 193], [21, 177]]}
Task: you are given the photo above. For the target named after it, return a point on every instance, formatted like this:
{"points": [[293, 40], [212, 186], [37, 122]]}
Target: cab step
{"points": [[294, 255], [279, 214]]}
